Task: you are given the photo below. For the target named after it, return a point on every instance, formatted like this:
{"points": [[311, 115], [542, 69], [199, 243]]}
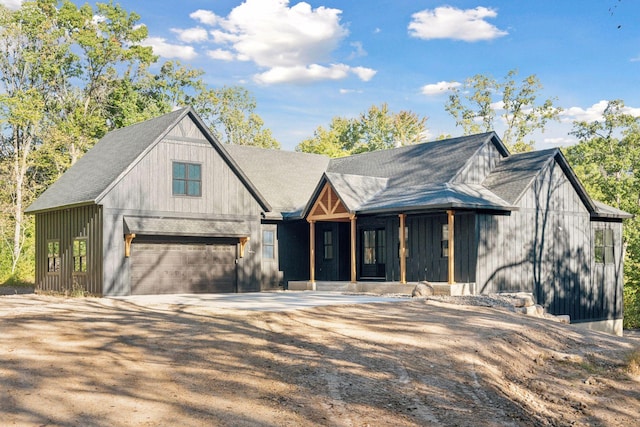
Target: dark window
{"points": [[603, 246], [444, 242], [328, 245], [374, 246], [53, 256], [406, 241], [187, 179], [268, 244], [369, 246], [80, 255]]}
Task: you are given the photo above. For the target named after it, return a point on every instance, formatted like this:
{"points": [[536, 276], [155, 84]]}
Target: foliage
{"points": [[70, 74], [607, 160], [230, 113], [474, 106], [376, 129]]}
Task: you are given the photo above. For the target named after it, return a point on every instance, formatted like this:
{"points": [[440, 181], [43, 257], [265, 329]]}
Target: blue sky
{"points": [[306, 62]]}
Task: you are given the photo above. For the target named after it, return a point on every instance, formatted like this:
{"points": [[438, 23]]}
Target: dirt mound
{"points": [[100, 362]]}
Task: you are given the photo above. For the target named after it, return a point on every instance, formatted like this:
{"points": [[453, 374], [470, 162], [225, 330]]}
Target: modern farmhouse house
{"points": [[163, 207]]}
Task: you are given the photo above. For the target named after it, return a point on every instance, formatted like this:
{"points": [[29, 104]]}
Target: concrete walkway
{"points": [[258, 301]]}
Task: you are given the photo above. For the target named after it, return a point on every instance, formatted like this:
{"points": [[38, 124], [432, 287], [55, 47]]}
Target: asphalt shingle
{"points": [[286, 179], [94, 172]]}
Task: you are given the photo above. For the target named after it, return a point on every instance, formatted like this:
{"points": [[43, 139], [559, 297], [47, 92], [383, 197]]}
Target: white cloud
{"points": [[205, 17], [220, 54], [191, 35], [589, 114], [593, 113], [498, 105], [348, 91], [448, 22], [311, 73], [97, 19], [168, 50], [363, 73], [559, 141], [275, 35], [439, 88], [11, 4], [358, 50], [292, 43]]}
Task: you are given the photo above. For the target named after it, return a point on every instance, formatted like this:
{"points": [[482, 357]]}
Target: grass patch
{"points": [[633, 362], [17, 283]]}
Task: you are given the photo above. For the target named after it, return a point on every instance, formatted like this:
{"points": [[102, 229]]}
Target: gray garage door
{"points": [[173, 268]]}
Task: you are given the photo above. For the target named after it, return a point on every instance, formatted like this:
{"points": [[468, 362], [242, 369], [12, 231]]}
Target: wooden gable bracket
{"points": [[127, 244], [328, 207], [243, 244]]}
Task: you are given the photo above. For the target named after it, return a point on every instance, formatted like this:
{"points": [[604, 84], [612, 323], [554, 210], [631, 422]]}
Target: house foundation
{"points": [[455, 289]]}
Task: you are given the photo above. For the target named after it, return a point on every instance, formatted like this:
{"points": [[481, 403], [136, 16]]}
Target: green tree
{"points": [[230, 114], [607, 160], [329, 142], [375, 129], [108, 59], [475, 105], [70, 74], [35, 56]]}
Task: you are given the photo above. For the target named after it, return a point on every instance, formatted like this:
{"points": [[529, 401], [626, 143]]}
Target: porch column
{"points": [[312, 254], [403, 251], [353, 248], [451, 255]]}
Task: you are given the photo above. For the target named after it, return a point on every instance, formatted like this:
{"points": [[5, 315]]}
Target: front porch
{"points": [[439, 288]]}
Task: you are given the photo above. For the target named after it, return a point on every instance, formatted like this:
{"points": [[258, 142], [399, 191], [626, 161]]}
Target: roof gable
{"points": [[514, 174], [93, 173], [328, 206], [430, 162], [101, 168]]}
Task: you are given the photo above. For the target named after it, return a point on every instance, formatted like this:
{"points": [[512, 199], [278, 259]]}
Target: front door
{"points": [[333, 251], [373, 254]]}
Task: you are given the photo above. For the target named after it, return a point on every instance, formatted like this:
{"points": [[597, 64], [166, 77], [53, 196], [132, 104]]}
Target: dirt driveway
{"points": [[106, 362]]}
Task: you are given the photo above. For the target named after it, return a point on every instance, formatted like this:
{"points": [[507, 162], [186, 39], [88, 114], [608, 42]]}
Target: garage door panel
{"points": [[165, 268]]}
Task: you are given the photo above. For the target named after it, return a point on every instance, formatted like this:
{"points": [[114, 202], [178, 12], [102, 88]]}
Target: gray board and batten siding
{"points": [[522, 222], [146, 192], [63, 227], [140, 187], [545, 247]]}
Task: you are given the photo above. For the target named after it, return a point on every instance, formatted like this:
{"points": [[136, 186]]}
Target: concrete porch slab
{"points": [[381, 287]]}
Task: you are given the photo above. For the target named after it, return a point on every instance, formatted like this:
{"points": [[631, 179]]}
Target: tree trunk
{"points": [[21, 155]]}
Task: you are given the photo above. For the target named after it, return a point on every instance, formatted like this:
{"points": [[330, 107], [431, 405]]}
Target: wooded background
{"points": [[70, 74]]}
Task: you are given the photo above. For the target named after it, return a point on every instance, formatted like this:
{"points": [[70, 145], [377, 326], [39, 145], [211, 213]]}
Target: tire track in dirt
{"points": [[343, 387], [454, 393]]}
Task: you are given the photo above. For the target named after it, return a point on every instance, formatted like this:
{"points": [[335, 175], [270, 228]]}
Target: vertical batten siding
{"points": [[480, 166], [146, 190], [148, 186], [65, 226], [465, 247], [425, 261], [543, 248]]}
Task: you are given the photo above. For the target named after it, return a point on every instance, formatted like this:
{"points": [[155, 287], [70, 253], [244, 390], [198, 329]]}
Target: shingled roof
{"points": [[286, 179], [513, 175], [434, 162], [90, 178], [412, 178]]}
